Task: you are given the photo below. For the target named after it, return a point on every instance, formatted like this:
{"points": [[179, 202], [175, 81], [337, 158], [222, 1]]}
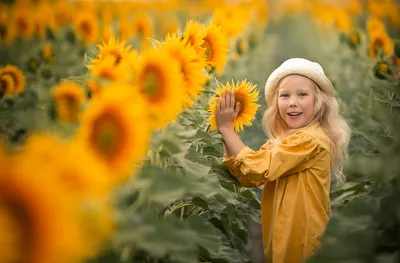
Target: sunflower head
{"points": [[17, 76], [23, 23], [142, 26], [159, 80], [191, 66], [107, 69], [68, 98], [194, 36], [246, 95], [86, 27], [375, 25], [114, 49], [114, 129], [215, 47], [47, 52], [380, 42], [39, 221]]}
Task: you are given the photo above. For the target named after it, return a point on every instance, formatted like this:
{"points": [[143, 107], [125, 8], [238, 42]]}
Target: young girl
{"points": [[307, 144]]}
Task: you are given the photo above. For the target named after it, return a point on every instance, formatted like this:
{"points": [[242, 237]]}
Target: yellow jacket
{"points": [[295, 203]]}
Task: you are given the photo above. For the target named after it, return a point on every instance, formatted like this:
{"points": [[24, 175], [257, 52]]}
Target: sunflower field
{"points": [[109, 150]]}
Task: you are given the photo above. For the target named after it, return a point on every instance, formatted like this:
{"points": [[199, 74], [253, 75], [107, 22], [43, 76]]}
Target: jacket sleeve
{"points": [[293, 155]]}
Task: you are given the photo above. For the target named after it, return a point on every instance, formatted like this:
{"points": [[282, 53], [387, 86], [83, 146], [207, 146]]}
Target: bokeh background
{"points": [[108, 152]]}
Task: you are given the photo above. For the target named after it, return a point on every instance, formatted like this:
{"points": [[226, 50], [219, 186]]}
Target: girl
{"points": [[308, 142]]}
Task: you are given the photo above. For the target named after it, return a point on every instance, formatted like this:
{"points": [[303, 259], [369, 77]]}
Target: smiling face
{"points": [[296, 99]]}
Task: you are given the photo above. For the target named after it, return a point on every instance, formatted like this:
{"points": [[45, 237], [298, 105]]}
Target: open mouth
{"points": [[293, 114]]}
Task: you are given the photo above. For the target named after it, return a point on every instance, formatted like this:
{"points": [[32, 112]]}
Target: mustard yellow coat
{"points": [[295, 203]]}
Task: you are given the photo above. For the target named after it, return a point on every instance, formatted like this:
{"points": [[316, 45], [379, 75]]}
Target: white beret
{"points": [[297, 66]]}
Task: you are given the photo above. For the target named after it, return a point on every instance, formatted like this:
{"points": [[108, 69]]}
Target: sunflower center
{"points": [[22, 24], [85, 26], [6, 84], [3, 31], [207, 49], [107, 135], [151, 85], [383, 67], [116, 56]]}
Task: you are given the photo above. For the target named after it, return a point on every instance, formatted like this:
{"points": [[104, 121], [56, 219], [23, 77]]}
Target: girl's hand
{"points": [[227, 110]]}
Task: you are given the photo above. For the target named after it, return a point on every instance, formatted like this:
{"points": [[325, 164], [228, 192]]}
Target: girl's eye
{"points": [[303, 94], [284, 95]]}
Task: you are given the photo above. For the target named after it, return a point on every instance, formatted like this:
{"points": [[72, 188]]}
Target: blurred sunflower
{"points": [[194, 35], [86, 27], [246, 95], [23, 22], [215, 47], [107, 33], [191, 68], [39, 221], [342, 21], [159, 79], [124, 28], [114, 129], [44, 20], [354, 7], [68, 98], [232, 19], [142, 27], [17, 77], [63, 13], [48, 53], [7, 29], [375, 25], [380, 41]]}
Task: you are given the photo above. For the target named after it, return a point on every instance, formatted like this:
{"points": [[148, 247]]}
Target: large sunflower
{"points": [[39, 222], [68, 98], [17, 77], [159, 79], [246, 95], [215, 47], [83, 177], [86, 27], [191, 67], [380, 41], [114, 129]]}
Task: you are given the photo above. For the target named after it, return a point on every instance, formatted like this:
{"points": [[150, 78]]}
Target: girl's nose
{"points": [[292, 103]]}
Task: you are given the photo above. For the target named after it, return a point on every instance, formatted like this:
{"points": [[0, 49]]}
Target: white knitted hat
{"points": [[297, 66]]}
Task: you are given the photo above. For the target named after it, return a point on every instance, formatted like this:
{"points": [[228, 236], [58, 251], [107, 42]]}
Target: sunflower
{"points": [[191, 67], [215, 47], [142, 27], [380, 41], [68, 98], [39, 221], [86, 27], [159, 79], [375, 25], [23, 23], [63, 11], [354, 7], [114, 129], [107, 33], [7, 30], [342, 21], [17, 77], [114, 49], [232, 19], [246, 95], [44, 20], [47, 52], [194, 35]]}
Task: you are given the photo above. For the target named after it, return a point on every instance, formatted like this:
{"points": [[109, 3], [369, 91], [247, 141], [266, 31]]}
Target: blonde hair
{"points": [[326, 112]]}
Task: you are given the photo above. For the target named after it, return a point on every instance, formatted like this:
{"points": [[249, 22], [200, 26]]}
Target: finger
{"points": [[237, 108], [228, 99], [232, 99], [218, 105], [223, 101]]}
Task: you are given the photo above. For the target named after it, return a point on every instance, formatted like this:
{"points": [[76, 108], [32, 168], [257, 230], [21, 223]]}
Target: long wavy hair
{"points": [[326, 112]]}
